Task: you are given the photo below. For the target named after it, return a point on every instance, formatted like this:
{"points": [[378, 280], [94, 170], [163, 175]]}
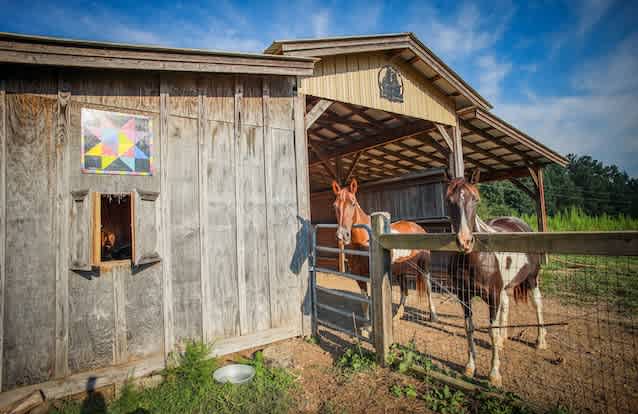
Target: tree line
{"points": [[585, 184]]}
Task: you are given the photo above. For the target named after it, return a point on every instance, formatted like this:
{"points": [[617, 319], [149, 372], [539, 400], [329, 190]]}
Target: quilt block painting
{"points": [[116, 143]]}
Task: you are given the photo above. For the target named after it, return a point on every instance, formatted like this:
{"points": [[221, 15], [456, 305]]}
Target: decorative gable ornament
{"points": [[390, 84]]}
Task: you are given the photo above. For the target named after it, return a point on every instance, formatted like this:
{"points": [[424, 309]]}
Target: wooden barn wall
{"points": [[404, 202], [227, 171], [354, 79]]}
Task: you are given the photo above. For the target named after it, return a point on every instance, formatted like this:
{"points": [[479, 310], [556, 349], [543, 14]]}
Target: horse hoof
{"points": [[496, 380], [499, 342], [541, 345], [433, 317]]}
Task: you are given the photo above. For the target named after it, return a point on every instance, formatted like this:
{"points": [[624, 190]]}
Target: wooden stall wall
{"points": [[226, 171]]}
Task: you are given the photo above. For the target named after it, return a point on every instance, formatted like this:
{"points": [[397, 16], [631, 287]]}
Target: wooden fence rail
{"points": [[616, 243]]}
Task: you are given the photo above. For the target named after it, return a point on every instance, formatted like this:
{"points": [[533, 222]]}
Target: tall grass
{"points": [[575, 219]]}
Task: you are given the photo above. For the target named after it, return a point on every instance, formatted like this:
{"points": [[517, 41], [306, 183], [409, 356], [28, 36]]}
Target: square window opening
{"points": [[115, 228]]}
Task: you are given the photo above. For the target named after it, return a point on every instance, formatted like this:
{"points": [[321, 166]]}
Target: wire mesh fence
{"points": [[586, 358]]}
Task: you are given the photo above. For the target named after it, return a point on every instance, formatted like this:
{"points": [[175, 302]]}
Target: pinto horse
{"points": [[404, 262], [489, 275]]}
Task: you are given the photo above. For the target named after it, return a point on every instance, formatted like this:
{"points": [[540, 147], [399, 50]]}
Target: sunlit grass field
{"points": [[609, 280]]}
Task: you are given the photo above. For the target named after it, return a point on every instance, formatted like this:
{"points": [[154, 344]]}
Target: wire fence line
{"points": [[589, 303]]}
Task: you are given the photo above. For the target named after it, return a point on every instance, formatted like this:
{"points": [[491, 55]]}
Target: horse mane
{"points": [[457, 184]]}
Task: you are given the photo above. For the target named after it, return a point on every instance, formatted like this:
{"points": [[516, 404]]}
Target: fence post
{"points": [[380, 273]]}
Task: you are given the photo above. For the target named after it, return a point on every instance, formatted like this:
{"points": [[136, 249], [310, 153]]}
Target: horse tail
{"points": [[521, 291], [420, 284]]}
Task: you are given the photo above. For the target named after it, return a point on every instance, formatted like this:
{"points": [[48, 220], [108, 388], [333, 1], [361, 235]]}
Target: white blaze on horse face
{"points": [[398, 254], [509, 264]]}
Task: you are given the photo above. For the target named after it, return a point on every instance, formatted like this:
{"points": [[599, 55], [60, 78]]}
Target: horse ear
{"points": [[476, 176], [336, 188], [353, 186]]}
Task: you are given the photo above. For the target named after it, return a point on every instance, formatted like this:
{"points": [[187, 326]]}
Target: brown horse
{"points": [[404, 262], [489, 275]]}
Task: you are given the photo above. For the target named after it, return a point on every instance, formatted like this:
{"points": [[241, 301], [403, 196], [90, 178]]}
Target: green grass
{"points": [[356, 359], [576, 220], [189, 388], [592, 279]]}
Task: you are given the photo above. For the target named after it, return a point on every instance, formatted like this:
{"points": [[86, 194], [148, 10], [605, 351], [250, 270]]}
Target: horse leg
{"points": [[428, 289], [537, 299], [502, 321], [470, 367], [496, 312], [363, 287], [404, 295]]}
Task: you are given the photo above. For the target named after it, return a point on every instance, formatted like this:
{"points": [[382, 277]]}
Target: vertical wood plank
{"points": [[203, 222], [167, 286], [239, 202], [3, 234], [120, 346], [380, 268], [270, 231], [303, 204], [61, 230]]}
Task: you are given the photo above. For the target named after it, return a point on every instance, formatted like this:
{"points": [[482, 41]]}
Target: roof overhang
{"points": [[408, 48], [39, 50]]}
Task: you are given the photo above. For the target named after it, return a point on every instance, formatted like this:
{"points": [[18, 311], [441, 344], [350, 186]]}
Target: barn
{"points": [[153, 195]]}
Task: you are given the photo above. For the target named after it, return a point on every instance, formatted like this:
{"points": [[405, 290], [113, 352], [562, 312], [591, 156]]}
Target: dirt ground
{"points": [[324, 389], [591, 364]]}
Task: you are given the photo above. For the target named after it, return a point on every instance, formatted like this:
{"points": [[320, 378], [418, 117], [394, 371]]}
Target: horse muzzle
{"points": [[466, 244], [343, 234]]}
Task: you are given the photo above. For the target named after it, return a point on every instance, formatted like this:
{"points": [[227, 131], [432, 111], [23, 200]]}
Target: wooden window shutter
{"points": [[146, 218], [81, 230]]}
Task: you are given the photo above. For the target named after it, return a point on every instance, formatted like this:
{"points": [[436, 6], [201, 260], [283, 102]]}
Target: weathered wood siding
{"points": [[405, 201], [229, 204], [354, 78]]}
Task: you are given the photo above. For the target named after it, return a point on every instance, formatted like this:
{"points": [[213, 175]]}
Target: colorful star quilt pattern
{"points": [[116, 143]]}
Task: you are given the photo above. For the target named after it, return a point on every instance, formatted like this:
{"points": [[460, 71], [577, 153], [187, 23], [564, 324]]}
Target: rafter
{"points": [[382, 137], [316, 111]]}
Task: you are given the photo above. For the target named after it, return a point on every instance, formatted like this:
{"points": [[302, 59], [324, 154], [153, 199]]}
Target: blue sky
{"points": [[565, 72]]}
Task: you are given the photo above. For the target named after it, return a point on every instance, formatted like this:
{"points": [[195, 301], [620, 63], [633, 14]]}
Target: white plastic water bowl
{"points": [[234, 373]]}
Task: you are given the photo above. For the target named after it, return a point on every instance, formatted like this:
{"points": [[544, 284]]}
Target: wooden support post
{"points": [[541, 210], [167, 281], [202, 160], [457, 140], [62, 208], [342, 256], [3, 217], [380, 269], [303, 204]]}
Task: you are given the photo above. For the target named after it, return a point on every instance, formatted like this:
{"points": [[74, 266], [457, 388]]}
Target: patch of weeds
{"points": [[189, 387], [356, 359], [445, 401], [408, 391], [312, 340], [489, 404], [402, 358]]}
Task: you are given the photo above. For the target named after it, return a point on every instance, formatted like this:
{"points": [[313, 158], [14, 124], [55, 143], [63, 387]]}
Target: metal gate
{"points": [[357, 320]]}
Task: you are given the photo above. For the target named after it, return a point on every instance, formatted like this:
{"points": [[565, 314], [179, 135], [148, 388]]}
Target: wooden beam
{"points": [[541, 210], [459, 165], [446, 137], [316, 111], [531, 194], [603, 243], [497, 140], [355, 161], [324, 161], [383, 137]]}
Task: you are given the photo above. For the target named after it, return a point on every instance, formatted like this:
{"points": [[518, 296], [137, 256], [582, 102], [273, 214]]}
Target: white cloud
{"points": [[587, 13], [491, 75], [600, 120], [320, 22], [467, 32]]}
